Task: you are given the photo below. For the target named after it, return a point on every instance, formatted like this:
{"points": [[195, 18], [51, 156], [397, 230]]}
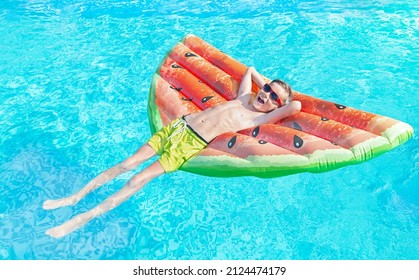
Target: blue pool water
{"points": [[74, 79]]}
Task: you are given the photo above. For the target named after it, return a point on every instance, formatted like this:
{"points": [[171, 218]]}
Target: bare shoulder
{"points": [[280, 113]]}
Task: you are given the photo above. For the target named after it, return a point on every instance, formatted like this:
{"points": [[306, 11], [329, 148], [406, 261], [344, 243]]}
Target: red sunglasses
{"points": [[272, 94]]}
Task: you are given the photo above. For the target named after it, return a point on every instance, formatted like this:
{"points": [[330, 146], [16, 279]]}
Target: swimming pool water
{"points": [[74, 80]]}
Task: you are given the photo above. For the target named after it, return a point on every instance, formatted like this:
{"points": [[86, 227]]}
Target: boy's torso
{"points": [[231, 116]]}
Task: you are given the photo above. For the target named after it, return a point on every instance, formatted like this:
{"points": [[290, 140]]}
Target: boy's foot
{"points": [[57, 203], [69, 226]]}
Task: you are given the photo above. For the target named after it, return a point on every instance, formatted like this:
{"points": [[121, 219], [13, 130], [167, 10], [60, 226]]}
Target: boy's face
{"points": [[264, 101]]}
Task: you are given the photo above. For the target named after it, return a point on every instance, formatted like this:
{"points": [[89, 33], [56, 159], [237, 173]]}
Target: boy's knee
{"points": [[130, 163], [136, 181]]}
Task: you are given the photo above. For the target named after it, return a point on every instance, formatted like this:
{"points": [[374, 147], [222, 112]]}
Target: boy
{"points": [[183, 139]]}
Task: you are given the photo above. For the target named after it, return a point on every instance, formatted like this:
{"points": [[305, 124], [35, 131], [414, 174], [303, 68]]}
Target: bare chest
{"points": [[227, 117]]}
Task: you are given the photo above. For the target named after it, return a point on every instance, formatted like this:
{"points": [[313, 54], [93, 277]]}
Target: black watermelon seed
{"points": [[178, 89], [262, 142], [297, 126], [340, 107], [232, 142], [298, 142], [206, 98], [324, 119], [199, 81], [186, 99], [189, 54], [176, 66], [255, 131]]}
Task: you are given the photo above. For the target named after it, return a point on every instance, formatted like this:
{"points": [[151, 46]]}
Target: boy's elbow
{"points": [[295, 107]]}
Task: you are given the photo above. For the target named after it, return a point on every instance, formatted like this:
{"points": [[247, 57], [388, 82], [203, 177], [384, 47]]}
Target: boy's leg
{"points": [[129, 189], [142, 154]]}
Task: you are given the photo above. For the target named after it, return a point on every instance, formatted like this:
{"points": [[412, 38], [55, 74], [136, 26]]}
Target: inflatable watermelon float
{"points": [[324, 136]]}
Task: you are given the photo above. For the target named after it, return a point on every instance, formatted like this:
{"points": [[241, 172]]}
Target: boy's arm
{"points": [[246, 82], [279, 113]]}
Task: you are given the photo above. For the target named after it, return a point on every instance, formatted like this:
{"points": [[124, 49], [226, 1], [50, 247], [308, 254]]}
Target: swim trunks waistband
{"points": [[196, 133]]}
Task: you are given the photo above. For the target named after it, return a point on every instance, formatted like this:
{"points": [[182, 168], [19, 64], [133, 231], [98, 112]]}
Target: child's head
{"points": [[273, 95], [289, 95]]}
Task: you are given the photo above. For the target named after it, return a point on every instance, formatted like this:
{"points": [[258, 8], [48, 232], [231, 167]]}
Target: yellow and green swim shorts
{"points": [[176, 143]]}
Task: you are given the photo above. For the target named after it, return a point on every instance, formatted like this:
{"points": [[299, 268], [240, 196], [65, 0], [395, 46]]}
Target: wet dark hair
{"points": [[287, 88]]}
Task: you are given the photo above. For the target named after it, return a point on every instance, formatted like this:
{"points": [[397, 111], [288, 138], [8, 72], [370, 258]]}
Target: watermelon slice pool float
{"points": [[324, 136]]}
